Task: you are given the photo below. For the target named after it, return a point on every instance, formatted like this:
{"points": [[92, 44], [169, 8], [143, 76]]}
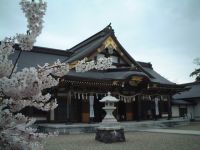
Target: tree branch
{"points": [[15, 63]]}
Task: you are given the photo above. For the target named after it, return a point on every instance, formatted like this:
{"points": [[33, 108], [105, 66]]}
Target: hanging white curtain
{"points": [[91, 101], [156, 106]]}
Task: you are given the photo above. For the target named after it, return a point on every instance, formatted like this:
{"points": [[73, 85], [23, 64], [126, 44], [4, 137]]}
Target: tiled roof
{"points": [[38, 56], [193, 92], [180, 101], [157, 77], [120, 75]]}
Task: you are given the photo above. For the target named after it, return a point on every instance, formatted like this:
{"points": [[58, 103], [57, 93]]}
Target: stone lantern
{"points": [[109, 108], [109, 130]]}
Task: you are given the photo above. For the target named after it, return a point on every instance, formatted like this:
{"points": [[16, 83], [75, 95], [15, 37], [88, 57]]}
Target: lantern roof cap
{"points": [[109, 98]]}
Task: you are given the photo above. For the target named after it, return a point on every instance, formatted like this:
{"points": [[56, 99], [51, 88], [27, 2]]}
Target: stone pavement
{"points": [[141, 139], [134, 141], [128, 126]]}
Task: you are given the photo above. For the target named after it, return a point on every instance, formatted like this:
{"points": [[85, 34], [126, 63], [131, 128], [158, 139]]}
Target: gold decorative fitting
{"points": [[109, 42], [115, 82], [136, 78], [99, 50], [154, 85], [134, 83], [72, 65]]}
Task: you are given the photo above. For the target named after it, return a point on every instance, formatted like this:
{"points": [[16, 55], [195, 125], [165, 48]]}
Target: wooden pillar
{"points": [[129, 111], [161, 103], [139, 110], [160, 108], [169, 107], [52, 115], [68, 105], [85, 110]]}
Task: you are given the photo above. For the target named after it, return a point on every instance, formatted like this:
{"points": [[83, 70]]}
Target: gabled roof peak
{"points": [[105, 32], [108, 28]]}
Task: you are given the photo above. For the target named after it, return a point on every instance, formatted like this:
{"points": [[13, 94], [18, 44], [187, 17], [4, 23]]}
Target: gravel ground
{"points": [[134, 141]]}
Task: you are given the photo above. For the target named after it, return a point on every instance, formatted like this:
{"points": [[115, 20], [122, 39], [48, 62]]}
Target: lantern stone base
{"points": [[110, 134]]}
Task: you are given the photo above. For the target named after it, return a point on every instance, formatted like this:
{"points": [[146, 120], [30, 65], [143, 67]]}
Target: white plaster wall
{"points": [[197, 110], [175, 111], [190, 111]]}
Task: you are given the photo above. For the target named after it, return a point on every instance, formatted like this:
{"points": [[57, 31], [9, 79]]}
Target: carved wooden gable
{"points": [[110, 48]]}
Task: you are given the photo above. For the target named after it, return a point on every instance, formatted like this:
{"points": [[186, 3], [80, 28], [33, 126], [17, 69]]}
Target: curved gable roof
{"points": [[91, 44]]}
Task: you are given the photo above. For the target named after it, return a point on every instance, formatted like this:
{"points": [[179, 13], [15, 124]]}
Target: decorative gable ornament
{"points": [[110, 49], [102, 63], [110, 43]]}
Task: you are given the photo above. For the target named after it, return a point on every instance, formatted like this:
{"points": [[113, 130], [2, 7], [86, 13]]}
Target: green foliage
{"points": [[196, 72]]}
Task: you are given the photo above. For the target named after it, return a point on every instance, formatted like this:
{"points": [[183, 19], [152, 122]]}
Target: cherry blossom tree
{"points": [[19, 89]]}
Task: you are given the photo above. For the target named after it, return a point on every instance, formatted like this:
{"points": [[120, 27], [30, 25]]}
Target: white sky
{"points": [[163, 32]]}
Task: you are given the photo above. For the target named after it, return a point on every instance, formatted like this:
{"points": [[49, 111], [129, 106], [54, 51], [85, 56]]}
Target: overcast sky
{"points": [[163, 32]]}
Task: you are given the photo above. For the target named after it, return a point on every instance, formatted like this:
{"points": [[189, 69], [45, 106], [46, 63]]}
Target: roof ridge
{"points": [[145, 64], [46, 50], [191, 83], [108, 29]]}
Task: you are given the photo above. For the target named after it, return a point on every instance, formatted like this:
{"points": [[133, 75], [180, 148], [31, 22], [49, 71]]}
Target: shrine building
{"points": [[143, 93]]}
